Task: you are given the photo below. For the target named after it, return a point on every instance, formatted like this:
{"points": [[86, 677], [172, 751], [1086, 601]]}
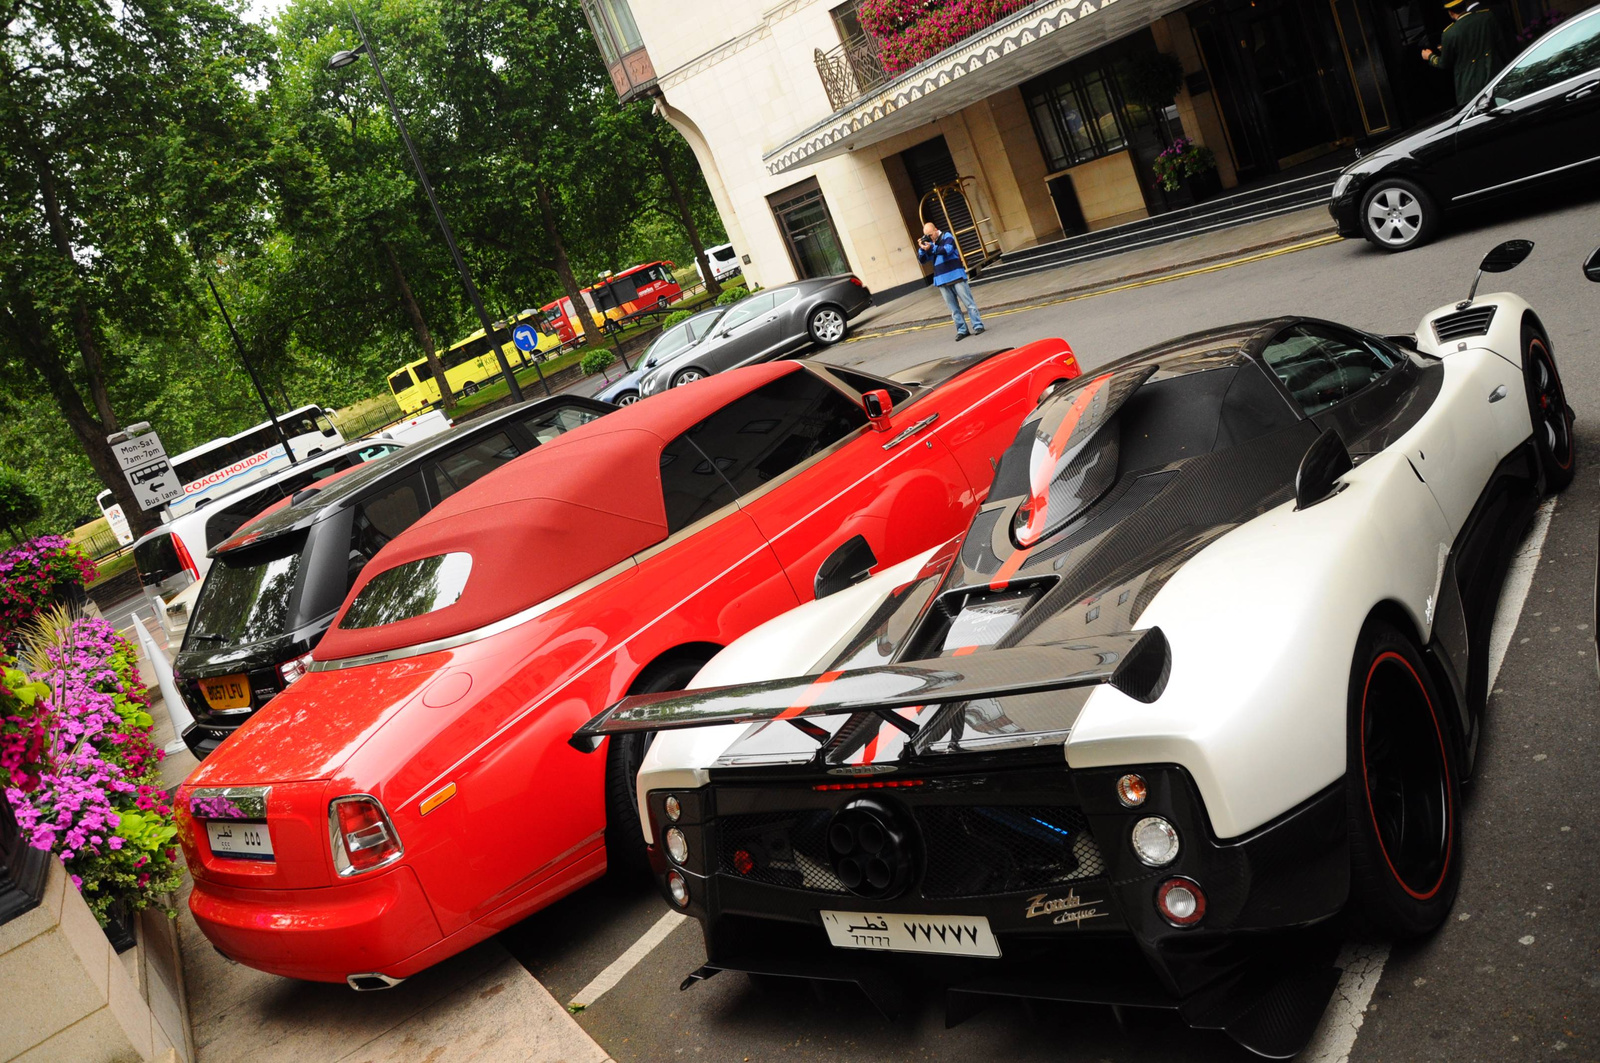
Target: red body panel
{"points": [[525, 822]]}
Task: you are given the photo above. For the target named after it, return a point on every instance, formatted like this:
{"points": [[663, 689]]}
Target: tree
{"points": [[19, 505], [126, 135]]}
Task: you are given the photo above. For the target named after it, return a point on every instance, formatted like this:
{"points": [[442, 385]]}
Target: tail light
{"points": [[857, 282], [363, 838], [289, 671], [184, 558]]}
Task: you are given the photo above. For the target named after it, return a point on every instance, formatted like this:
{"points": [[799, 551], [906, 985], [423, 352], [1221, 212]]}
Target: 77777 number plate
{"points": [[949, 935]]}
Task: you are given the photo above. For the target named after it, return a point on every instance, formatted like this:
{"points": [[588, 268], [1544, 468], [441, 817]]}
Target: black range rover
{"points": [[273, 588]]}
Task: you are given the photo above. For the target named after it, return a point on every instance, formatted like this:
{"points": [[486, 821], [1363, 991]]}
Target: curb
{"points": [[1311, 238]]}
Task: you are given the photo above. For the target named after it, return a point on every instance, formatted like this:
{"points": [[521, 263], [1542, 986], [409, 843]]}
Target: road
{"points": [[1513, 975]]}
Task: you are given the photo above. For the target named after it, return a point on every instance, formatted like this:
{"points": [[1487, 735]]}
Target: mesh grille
{"points": [[784, 849], [969, 851], [977, 850], [1473, 322]]}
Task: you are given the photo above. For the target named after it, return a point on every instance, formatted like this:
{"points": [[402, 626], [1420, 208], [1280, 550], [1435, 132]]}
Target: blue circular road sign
{"points": [[526, 337]]}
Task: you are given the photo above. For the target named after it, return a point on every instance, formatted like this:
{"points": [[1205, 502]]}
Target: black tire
{"points": [[1402, 786], [827, 325], [625, 849], [662, 303], [469, 388], [627, 398], [1406, 215], [1547, 406], [688, 375]]}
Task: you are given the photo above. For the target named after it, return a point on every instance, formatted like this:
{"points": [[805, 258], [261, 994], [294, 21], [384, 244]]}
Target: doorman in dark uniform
{"points": [[1473, 49]]}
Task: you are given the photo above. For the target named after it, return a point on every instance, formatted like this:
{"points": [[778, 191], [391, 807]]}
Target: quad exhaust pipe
{"points": [[371, 983]]}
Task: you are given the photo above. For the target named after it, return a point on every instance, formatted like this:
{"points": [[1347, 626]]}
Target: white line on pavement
{"points": [[1362, 961], [607, 979]]}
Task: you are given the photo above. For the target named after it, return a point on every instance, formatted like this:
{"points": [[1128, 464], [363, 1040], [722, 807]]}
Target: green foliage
{"points": [[596, 360], [1182, 160], [732, 295], [19, 505], [1152, 79], [675, 317]]}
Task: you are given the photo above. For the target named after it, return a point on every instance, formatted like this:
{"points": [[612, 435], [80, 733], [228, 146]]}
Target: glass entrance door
{"points": [[808, 230]]}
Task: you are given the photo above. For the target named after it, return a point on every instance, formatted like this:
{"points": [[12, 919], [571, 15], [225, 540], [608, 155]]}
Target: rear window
{"points": [[247, 593], [400, 381], [410, 590], [156, 559]]}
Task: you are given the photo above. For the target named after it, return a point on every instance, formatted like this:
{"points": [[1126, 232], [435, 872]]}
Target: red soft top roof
{"points": [[548, 520]]}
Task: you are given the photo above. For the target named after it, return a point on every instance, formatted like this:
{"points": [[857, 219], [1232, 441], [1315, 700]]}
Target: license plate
{"points": [[952, 935], [226, 692], [244, 841]]}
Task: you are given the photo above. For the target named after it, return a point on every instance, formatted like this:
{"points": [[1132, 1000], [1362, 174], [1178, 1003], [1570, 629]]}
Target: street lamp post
{"points": [[344, 59], [261, 393]]}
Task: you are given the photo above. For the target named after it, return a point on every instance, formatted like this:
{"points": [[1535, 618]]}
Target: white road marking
{"points": [[607, 979], [1363, 961]]}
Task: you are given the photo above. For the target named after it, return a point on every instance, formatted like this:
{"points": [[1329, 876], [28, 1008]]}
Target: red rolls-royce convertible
{"points": [[415, 793]]}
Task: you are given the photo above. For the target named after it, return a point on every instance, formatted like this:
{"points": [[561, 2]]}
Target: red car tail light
{"points": [[857, 282], [362, 836]]}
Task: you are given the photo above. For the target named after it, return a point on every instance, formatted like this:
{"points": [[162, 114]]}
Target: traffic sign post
{"points": [[526, 337], [143, 461]]}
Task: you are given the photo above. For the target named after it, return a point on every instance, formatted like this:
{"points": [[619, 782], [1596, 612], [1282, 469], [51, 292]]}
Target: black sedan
{"points": [[274, 586], [765, 325], [1537, 123]]}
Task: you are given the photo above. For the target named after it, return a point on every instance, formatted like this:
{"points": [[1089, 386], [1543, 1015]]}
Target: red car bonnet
{"points": [[548, 520]]}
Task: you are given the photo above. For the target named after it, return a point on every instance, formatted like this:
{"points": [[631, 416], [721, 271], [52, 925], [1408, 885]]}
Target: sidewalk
{"points": [[926, 307]]}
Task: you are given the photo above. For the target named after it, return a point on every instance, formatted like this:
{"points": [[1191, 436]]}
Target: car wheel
{"points": [[687, 376], [662, 303], [627, 398], [1402, 786], [1547, 404], [1397, 215], [826, 325], [625, 848], [469, 388]]}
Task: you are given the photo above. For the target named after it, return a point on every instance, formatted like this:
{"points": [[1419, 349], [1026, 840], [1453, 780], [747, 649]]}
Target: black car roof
{"points": [[380, 472]]}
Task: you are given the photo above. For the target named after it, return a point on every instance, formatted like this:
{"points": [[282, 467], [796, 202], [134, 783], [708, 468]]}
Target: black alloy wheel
{"points": [[1397, 215], [625, 847], [1547, 405], [1402, 787]]}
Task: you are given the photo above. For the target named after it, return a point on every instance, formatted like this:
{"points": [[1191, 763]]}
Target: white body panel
{"points": [[793, 643], [1262, 623]]}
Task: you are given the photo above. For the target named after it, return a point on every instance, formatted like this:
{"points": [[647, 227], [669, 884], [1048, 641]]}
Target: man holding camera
{"points": [[950, 277]]}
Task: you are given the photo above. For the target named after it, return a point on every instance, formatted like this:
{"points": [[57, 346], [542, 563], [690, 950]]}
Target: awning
{"points": [[1011, 51]]}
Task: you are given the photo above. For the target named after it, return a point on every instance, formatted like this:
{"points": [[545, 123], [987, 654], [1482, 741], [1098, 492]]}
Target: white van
{"points": [[724, 262]]}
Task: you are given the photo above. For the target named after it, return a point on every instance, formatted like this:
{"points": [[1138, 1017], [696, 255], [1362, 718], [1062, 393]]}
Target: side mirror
{"points": [[1591, 266], [1318, 477], [879, 407], [1507, 256], [851, 563]]}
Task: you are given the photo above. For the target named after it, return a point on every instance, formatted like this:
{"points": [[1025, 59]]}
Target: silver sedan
{"points": [[765, 325]]}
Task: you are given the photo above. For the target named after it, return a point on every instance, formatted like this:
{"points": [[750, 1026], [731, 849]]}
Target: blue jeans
{"points": [[956, 294]]}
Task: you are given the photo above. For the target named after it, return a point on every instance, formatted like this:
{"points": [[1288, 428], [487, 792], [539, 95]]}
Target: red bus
{"points": [[615, 296]]}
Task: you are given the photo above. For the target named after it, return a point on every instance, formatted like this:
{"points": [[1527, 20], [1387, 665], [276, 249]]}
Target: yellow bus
{"points": [[468, 366]]}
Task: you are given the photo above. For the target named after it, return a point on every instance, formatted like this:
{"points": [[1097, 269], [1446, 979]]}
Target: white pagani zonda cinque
{"points": [[1207, 666]]}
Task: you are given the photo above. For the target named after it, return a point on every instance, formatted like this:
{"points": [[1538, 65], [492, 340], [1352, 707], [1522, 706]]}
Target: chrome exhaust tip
{"points": [[371, 983]]}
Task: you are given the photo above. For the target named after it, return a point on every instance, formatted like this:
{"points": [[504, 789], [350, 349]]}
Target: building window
{"points": [[1078, 113], [614, 28], [808, 230]]}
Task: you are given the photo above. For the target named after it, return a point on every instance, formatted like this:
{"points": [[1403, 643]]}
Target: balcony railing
{"points": [[851, 71]]}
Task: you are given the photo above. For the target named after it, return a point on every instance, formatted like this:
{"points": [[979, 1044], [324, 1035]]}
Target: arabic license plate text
{"points": [[245, 841], [952, 935], [226, 692]]}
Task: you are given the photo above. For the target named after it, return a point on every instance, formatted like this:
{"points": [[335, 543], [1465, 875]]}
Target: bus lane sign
{"points": [[144, 462]]}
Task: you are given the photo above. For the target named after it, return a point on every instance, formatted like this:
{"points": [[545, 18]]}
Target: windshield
{"points": [[247, 593]]}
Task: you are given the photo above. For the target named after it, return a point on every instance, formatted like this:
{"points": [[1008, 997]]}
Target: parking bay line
{"points": [[1362, 961], [618, 969]]}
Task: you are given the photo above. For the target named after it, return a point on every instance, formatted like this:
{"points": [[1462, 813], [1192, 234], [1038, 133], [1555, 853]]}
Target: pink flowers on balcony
{"points": [[910, 31]]}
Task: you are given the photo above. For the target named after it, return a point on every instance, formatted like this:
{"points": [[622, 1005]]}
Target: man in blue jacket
{"points": [[950, 277]]}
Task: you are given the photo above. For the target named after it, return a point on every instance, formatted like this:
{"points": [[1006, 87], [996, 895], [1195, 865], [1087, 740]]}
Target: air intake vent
{"points": [[1458, 326]]}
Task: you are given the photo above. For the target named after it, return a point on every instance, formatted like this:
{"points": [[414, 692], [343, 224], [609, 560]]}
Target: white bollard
{"points": [[177, 711]]}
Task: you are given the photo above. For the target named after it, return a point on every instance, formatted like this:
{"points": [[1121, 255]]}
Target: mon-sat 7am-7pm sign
{"points": [[144, 462]]}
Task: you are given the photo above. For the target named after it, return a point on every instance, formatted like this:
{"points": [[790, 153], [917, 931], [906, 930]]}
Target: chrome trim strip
{"points": [[1530, 177], [450, 642], [909, 432], [249, 802]]}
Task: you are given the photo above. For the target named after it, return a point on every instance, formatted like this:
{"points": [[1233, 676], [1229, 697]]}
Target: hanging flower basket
{"points": [[1182, 162], [33, 574]]}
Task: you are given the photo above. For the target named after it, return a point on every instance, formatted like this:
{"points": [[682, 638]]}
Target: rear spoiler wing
{"points": [[1135, 662]]}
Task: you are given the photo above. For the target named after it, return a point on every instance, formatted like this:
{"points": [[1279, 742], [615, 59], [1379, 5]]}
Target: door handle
{"points": [[1583, 90], [909, 432], [1497, 394]]}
